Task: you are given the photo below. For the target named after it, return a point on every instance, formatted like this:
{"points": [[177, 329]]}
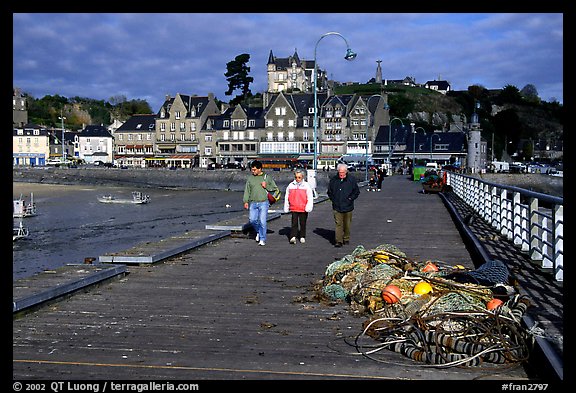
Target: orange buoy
{"points": [[430, 267], [494, 303], [391, 294]]}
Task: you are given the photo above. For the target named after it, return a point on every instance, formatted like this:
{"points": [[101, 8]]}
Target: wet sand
{"points": [[72, 225]]}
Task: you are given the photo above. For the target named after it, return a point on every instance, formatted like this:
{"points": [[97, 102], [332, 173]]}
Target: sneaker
{"points": [[338, 245], [261, 243], [293, 240], [302, 240], [257, 237]]}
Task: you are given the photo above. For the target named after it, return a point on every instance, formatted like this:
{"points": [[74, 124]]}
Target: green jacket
{"points": [[253, 191]]}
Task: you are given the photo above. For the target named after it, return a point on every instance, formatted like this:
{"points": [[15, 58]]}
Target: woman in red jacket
{"points": [[299, 200]]}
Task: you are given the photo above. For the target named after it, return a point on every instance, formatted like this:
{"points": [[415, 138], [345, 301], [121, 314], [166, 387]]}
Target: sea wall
{"points": [[220, 179], [538, 182]]}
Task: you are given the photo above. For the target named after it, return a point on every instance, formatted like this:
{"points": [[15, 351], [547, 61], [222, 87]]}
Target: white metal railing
{"points": [[533, 221]]}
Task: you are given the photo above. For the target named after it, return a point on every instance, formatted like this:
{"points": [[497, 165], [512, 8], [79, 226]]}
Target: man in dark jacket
{"points": [[342, 191]]}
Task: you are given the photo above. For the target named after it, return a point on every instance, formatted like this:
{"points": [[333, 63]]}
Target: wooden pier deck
{"points": [[232, 310]]}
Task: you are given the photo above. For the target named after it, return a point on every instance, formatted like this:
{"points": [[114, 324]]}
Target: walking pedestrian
{"points": [[299, 200], [256, 199], [381, 173], [342, 191]]}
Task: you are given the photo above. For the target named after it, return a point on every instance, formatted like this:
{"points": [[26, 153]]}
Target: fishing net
{"points": [[446, 324]]}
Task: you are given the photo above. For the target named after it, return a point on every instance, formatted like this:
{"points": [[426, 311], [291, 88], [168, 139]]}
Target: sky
{"points": [[146, 56]]}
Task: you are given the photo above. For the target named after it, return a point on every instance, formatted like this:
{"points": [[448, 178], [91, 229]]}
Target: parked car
{"points": [[213, 166], [104, 164]]}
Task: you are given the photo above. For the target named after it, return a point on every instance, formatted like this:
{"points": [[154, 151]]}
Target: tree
{"points": [[237, 77]]}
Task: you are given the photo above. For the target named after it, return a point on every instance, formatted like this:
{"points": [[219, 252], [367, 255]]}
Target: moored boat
{"points": [[22, 209], [137, 198], [19, 232]]}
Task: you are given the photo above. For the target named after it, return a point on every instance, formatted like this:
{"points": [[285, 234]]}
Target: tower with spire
{"points": [[378, 72]]}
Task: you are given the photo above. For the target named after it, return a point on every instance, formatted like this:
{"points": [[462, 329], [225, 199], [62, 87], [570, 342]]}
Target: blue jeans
{"points": [[258, 215]]}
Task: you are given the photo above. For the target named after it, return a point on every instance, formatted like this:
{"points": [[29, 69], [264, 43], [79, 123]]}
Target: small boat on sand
{"points": [[22, 209], [138, 198], [19, 232]]}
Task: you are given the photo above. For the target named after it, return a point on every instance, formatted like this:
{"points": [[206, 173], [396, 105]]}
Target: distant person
{"points": [[380, 173], [299, 200], [371, 184], [342, 191], [256, 199]]}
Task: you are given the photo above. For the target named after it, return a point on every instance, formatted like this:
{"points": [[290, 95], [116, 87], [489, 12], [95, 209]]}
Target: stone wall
{"points": [[220, 179]]}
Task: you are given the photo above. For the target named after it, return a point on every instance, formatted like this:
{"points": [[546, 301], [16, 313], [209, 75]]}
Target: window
{"points": [[269, 123], [291, 123], [252, 123], [208, 138], [162, 126], [172, 126], [305, 122], [177, 115], [226, 123], [207, 151], [182, 126], [280, 122]]}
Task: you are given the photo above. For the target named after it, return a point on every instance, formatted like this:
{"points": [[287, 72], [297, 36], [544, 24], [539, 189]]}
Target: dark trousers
{"points": [[343, 223], [298, 218]]}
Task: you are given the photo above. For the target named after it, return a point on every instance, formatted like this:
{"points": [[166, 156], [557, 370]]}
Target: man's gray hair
{"points": [[343, 166]]}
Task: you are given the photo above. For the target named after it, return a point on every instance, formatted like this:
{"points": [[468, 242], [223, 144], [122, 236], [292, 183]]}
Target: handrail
{"points": [[533, 221]]}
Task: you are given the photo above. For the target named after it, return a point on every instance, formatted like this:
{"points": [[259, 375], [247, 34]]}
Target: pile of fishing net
{"points": [[431, 311]]}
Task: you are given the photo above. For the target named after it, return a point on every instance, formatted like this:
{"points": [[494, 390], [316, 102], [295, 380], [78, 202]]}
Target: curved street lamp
{"points": [[431, 139], [390, 136], [414, 131], [367, 124], [350, 55], [61, 117]]}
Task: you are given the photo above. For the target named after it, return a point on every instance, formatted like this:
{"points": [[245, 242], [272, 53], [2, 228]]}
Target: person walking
{"points": [[381, 173], [299, 200], [342, 191], [256, 199]]}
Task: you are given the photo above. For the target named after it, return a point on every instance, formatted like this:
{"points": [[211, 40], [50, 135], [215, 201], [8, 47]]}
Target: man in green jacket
{"points": [[256, 199], [342, 191]]}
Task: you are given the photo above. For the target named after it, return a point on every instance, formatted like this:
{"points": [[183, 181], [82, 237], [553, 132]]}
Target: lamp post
{"points": [[367, 125], [390, 136], [414, 131], [414, 144], [61, 117], [431, 139], [350, 55]]}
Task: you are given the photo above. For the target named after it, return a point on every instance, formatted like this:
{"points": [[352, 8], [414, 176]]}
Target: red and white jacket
{"points": [[299, 197]]}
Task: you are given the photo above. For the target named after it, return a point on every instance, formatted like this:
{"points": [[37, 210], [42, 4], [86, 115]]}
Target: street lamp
{"points": [[367, 124], [414, 131], [61, 117], [350, 55], [431, 139], [390, 136]]}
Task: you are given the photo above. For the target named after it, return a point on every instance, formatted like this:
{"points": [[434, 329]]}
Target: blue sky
{"points": [[149, 55]]}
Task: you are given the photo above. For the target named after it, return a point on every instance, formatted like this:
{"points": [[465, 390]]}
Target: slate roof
{"points": [[139, 123]]}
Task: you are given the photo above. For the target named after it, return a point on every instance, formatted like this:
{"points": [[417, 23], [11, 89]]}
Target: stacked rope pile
{"points": [[461, 317]]}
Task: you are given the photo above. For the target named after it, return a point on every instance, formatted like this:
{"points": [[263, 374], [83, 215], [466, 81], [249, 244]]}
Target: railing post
{"points": [[505, 215], [534, 252], [558, 218]]}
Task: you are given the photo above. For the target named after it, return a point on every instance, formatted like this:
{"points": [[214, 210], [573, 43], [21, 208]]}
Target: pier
{"points": [[228, 309]]}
